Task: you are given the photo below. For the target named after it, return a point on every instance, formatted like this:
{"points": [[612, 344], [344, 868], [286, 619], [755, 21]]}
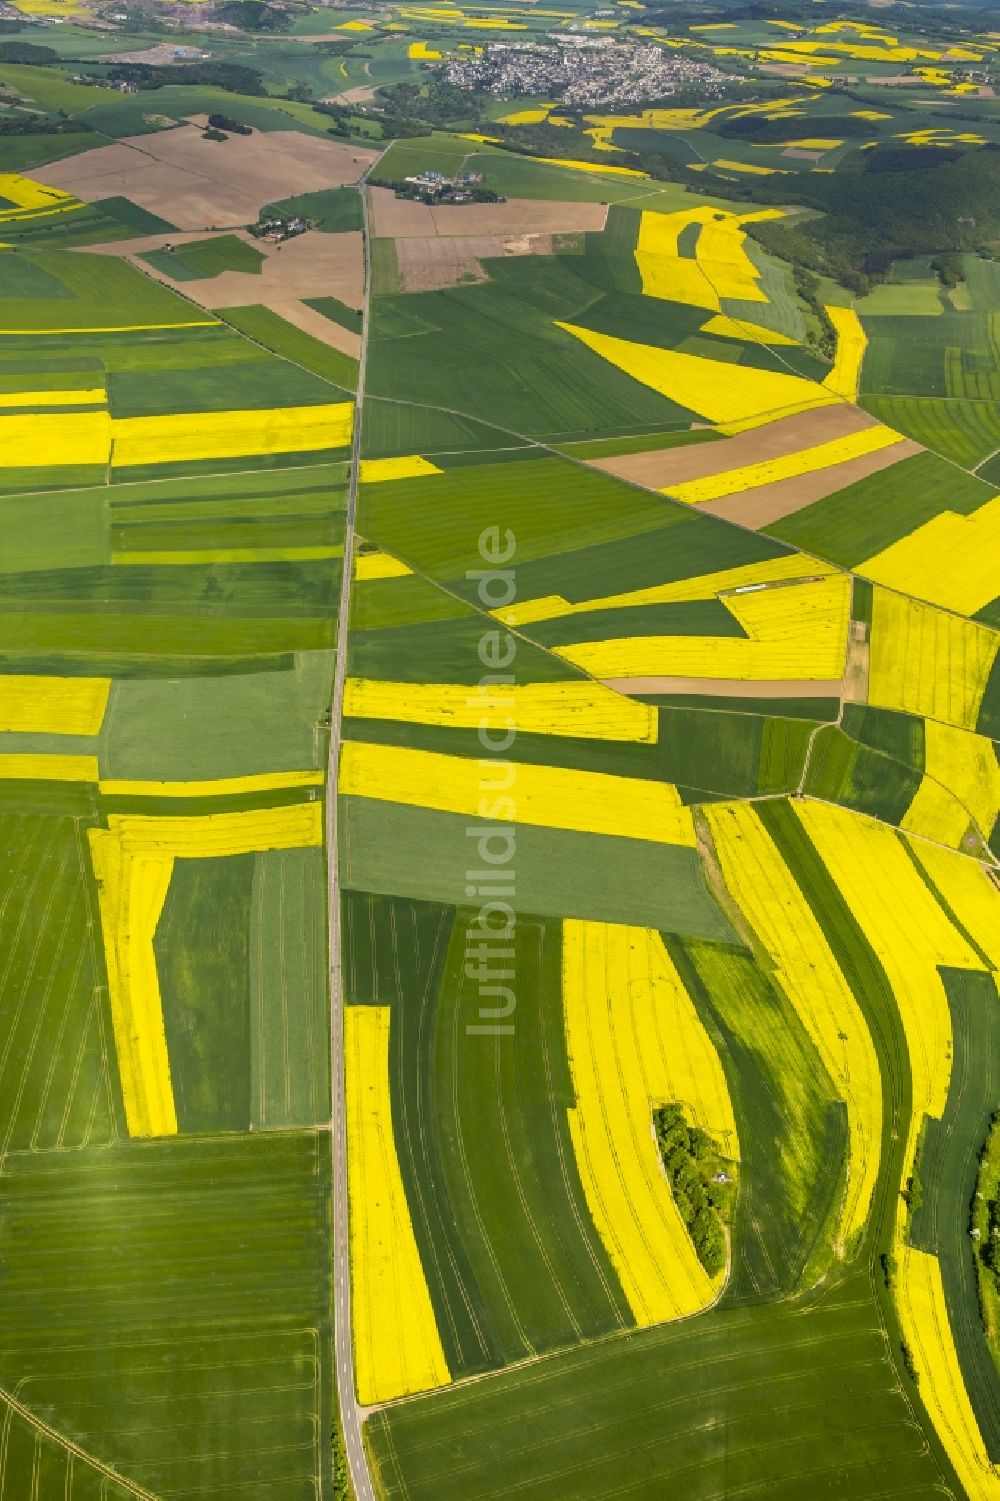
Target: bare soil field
{"points": [[663, 467], [730, 687], [768, 503], [799, 154], [312, 265], [428, 264], [198, 184], [394, 217]]}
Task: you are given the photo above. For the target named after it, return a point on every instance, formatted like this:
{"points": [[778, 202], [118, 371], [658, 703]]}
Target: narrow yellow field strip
{"points": [[554, 797], [267, 781], [25, 192], [576, 708], [785, 466], [950, 560], [701, 586], [923, 1315], [928, 662], [620, 997], [96, 396], [410, 466], [852, 341], [775, 907], [43, 767], [194, 556], [798, 631], [725, 327], [911, 936], [231, 434], [197, 835], [378, 565], [397, 1348], [118, 328], [52, 705], [717, 391], [131, 890]]}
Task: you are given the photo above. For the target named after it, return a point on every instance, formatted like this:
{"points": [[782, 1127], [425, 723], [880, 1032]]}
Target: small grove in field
{"points": [[698, 1181]]}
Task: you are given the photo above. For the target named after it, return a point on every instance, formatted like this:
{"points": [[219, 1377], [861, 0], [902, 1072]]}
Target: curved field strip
{"points": [[798, 632], [191, 436], [53, 705], [43, 767], [132, 888], [720, 392], [787, 466], [967, 765], [924, 1316], [910, 934], [579, 709], [519, 792], [783, 920], [721, 254], [852, 341], [702, 586], [619, 992], [969, 890], [936, 813], [664, 271], [397, 1348], [267, 781], [928, 662], [950, 560]]}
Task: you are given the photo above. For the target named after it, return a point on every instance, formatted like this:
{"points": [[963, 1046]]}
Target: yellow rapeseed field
{"points": [[776, 909], [51, 705], [228, 435], [620, 996], [928, 662], [116, 328], [600, 168], [725, 327], [967, 888], [131, 888], [923, 1315], [725, 165], [555, 797], [378, 565], [936, 813], [267, 781], [785, 466], [950, 560], [203, 834], [420, 52], [409, 466], [43, 767], [42, 439], [397, 1348], [700, 586], [796, 631], [577, 708], [967, 765], [852, 341], [665, 273], [911, 936], [716, 390], [93, 396], [26, 193]]}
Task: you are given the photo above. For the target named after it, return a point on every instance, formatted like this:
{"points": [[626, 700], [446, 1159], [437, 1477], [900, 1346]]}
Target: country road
{"points": [[350, 1416]]}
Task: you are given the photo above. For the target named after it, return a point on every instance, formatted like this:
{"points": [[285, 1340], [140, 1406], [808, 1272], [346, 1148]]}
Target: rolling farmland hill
{"points": [[500, 705]]}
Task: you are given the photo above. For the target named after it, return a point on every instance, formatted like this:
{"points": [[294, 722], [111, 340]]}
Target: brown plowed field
{"points": [[395, 218]]}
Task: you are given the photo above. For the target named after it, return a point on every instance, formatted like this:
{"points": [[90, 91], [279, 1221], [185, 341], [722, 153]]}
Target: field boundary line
{"points": [[40, 1426]]}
